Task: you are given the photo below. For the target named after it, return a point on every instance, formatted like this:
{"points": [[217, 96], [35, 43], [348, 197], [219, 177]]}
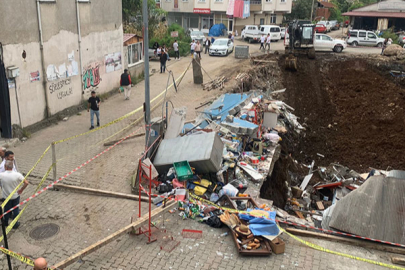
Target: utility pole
{"points": [[312, 9], [146, 106]]}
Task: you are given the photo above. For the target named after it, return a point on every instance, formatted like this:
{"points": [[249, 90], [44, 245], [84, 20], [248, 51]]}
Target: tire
{"points": [[379, 45], [338, 49], [355, 43]]}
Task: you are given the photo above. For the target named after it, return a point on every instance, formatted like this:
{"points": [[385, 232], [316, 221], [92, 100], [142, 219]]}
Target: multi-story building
{"points": [[203, 14]]}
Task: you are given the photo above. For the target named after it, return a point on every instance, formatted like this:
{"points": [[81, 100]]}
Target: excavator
{"points": [[299, 40]]}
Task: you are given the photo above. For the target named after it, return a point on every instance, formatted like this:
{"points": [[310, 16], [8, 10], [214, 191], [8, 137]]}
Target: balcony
{"points": [[256, 5]]}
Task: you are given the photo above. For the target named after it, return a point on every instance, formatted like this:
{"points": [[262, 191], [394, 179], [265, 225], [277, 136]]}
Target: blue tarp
{"points": [[262, 226], [217, 30], [225, 103]]}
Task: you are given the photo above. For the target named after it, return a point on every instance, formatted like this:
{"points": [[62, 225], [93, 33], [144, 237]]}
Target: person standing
{"points": [[207, 46], [192, 47], [159, 51], [8, 155], [262, 40], [2, 153], [163, 59], [232, 37], [176, 50], [94, 107], [125, 82], [9, 180], [236, 33], [198, 49], [212, 40], [384, 46], [268, 41]]}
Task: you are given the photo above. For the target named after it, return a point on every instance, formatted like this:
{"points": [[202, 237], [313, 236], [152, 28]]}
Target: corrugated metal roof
{"points": [[128, 37], [375, 14], [375, 210]]}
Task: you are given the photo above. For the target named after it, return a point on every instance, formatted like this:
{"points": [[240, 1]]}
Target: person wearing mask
{"points": [[125, 82], [198, 49], [94, 107], [176, 50], [207, 45], [163, 59]]}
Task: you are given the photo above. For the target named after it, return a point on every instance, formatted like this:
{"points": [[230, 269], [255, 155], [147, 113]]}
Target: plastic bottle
{"points": [[224, 234]]}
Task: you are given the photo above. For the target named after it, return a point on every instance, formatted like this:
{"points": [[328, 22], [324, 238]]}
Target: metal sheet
{"points": [[176, 122], [202, 151], [375, 210]]}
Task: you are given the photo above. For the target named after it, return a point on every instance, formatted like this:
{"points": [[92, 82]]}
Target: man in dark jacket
{"points": [[163, 59], [207, 44], [125, 82]]}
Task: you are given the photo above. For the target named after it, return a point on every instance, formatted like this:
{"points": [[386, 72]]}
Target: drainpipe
{"points": [[41, 47], [80, 46]]}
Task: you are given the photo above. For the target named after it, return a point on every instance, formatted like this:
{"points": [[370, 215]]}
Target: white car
{"points": [[325, 42], [282, 29], [221, 46], [327, 24]]}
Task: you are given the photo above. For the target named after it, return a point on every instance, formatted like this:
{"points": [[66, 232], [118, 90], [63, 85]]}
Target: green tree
{"points": [[301, 9], [133, 18], [183, 40]]}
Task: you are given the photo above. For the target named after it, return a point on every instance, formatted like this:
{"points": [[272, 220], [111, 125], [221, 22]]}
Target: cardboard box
{"points": [[277, 245]]}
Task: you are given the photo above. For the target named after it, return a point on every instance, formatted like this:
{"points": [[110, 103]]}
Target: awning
{"points": [[375, 14]]}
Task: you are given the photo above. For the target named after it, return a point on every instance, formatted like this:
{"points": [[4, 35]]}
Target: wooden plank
{"points": [[398, 260], [299, 214], [320, 205], [350, 241], [102, 192], [144, 219]]}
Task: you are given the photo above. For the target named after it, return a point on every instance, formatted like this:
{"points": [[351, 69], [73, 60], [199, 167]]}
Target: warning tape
{"points": [[20, 257], [339, 253], [69, 173]]}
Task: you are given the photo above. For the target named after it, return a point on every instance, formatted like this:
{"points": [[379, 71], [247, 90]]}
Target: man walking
{"points": [[207, 46], [163, 59], [176, 50], [262, 40], [125, 82], [94, 107], [9, 180], [40, 264], [8, 155], [268, 41]]}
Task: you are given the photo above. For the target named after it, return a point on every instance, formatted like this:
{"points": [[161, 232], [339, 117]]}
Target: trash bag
{"points": [[214, 222]]}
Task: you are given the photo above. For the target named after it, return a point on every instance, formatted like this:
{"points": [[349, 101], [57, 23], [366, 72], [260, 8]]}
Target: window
{"points": [[362, 34], [371, 35], [135, 53], [282, 1], [326, 38], [273, 19], [261, 21], [269, 1], [201, 0], [318, 37], [274, 30], [219, 0], [353, 33]]}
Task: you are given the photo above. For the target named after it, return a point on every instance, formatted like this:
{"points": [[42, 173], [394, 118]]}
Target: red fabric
{"points": [[129, 78], [238, 11]]}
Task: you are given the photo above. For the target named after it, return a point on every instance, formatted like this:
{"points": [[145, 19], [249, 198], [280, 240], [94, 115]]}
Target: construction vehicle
{"points": [[299, 39]]}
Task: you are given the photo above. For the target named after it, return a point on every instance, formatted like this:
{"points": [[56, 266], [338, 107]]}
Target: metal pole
{"points": [[139, 188], [79, 34], [146, 57], [150, 199], [312, 9], [54, 161], [3, 227]]}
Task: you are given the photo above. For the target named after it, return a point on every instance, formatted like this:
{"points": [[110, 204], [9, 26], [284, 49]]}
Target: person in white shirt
{"points": [[9, 180], [176, 50], [2, 153], [8, 155], [159, 51], [262, 40], [192, 47], [268, 41], [236, 33]]}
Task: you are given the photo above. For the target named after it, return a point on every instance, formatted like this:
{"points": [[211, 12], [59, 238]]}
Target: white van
{"points": [[273, 30]]}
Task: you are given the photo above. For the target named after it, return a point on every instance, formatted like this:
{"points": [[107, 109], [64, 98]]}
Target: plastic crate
{"points": [[183, 170]]}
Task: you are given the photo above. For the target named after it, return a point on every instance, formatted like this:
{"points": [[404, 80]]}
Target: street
{"points": [[83, 218]]}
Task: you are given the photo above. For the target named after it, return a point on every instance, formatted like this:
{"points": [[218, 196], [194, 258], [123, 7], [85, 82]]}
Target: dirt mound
{"points": [[392, 50], [353, 113]]}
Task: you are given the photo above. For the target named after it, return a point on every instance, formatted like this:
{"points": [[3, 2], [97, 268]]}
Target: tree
{"points": [[133, 19], [301, 9]]}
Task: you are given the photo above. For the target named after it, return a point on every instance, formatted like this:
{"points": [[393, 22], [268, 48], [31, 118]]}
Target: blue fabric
{"points": [[217, 30], [97, 113], [246, 9], [262, 226], [222, 105]]}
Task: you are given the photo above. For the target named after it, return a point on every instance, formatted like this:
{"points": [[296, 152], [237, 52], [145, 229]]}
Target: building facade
{"points": [[62, 50], [202, 14]]}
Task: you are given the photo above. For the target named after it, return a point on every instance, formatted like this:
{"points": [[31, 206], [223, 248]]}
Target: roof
{"points": [[374, 14], [326, 4], [374, 210], [128, 37]]}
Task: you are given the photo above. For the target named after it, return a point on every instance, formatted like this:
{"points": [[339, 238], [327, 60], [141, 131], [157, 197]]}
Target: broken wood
{"points": [[130, 137], [102, 192], [202, 105], [144, 219], [299, 214], [216, 83], [398, 260], [320, 206], [262, 61], [350, 241]]}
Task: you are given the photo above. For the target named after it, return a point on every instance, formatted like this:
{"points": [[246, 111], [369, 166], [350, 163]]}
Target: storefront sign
{"points": [[202, 10], [174, 34]]}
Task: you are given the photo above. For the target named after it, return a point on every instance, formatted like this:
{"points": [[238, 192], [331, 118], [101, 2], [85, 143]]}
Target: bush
{"points": [[183, 40]]}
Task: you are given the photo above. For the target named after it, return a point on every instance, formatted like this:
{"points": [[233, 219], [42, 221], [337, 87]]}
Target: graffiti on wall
{"points": [[113, 62], [92, 76], [61, 88]]}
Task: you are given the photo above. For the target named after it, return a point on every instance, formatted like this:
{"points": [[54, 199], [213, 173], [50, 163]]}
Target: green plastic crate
{"points": [[183, 170]]}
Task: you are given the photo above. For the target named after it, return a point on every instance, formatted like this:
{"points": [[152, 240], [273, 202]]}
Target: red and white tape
{"points": [[69, 173]]}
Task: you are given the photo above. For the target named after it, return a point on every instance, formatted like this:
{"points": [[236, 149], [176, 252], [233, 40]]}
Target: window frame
{"points": [[140, 55], [361, 32]]}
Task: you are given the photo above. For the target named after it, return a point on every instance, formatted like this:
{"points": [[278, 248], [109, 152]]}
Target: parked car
{"points": [[364, 38], [282, 32], [221, 46], [252, 33], [320, 28], [325, 42], [273, 30], [196, 34], [327, 25], [334, 25]]}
